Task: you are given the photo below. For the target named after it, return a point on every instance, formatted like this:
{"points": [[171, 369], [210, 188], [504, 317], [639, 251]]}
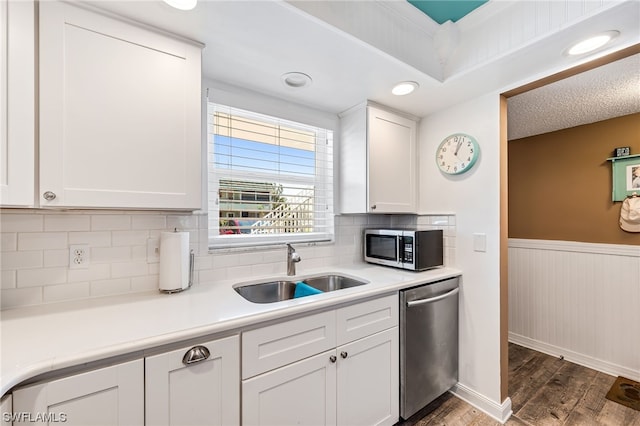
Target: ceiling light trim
{"points": [[404, 88], [592, 43], [182, 4], [296, 80]]}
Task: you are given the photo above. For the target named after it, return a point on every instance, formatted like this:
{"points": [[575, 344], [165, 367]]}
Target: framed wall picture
{"points": [[626, 176]]}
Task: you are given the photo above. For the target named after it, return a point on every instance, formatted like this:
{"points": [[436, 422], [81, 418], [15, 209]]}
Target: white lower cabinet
{"points": [[194, 385], [302, 393], [6, 408], [353, 383], [108, 396], [367, 380]]}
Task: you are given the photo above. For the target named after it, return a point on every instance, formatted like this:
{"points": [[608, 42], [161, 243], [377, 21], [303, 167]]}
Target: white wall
{"points": [[475, 198]]}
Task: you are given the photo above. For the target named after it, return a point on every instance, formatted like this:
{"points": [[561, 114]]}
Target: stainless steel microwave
{"points": [[404, 248]]}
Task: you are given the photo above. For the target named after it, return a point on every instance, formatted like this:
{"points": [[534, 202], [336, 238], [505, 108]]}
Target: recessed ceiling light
{"points": [[182, 4], [592, 43], [404, 88], [297, 80]]}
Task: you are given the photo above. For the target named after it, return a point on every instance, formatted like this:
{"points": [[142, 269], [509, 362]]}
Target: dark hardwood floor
{"points": [[544, 391]]}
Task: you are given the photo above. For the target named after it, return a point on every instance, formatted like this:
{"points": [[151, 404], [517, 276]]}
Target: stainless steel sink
{"points": [[279, 290], [333, 282]]}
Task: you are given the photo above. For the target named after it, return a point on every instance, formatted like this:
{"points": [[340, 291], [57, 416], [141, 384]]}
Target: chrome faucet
{"points": [[292, 259]]}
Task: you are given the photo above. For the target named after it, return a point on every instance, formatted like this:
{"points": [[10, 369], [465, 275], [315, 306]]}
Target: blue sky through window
{"points": [[242, 154]]}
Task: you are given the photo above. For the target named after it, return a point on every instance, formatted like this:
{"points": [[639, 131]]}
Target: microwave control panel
{"points": [[407, 250]]}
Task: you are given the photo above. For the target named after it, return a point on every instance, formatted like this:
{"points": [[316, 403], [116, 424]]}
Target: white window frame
{"points": [[323, 209]]}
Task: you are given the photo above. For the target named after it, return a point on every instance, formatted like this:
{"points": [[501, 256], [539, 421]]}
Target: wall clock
{"points": [[457, 153]]}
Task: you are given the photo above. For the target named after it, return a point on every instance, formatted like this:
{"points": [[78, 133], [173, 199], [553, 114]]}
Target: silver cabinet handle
{"points": [[433, 299], [49, 196], [343, 354], [333, 358], [196, 354]]}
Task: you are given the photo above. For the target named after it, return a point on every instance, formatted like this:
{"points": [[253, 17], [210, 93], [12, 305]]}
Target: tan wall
{"points": [[560, 183]]}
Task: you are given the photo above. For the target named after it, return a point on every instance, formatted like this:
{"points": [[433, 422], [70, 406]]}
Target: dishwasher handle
{"points": [[432, 299]]}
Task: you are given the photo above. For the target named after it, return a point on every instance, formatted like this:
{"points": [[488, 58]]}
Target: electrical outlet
{"points": [[153, 250], [79, 256]]}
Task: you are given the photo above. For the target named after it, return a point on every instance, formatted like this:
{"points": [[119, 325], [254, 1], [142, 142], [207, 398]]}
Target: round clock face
{"points": [[457, 153]]}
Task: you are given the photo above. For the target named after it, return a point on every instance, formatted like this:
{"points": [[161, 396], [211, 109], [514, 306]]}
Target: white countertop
{"points": [[45, 338]]}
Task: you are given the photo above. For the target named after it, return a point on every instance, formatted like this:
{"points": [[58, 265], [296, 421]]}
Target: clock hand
{"points": [[457, 148]]}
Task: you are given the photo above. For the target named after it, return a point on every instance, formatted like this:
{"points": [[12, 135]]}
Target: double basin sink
{"points": [[279, 290]]}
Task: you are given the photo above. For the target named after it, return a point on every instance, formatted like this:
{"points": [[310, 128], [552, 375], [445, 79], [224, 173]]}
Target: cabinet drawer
{"points": [[361, 320], [276, 345]]}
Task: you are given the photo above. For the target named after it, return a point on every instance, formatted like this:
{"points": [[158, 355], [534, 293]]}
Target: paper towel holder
{"points": [[178, 290]]}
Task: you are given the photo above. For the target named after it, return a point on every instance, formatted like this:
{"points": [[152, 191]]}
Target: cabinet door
{"points": [[367, 380], [119, 113], [17, 103], [6, 408], [392, 157], [302, 393], [204, 392], [108, 396]]}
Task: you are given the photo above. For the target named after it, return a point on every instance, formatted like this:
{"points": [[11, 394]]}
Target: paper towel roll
{"points": [[174, 261]]}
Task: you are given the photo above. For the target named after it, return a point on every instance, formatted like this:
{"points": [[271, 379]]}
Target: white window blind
{"points": [[270, 180]]}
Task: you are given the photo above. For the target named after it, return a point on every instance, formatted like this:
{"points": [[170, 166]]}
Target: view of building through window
{"points": [[267, 176]]}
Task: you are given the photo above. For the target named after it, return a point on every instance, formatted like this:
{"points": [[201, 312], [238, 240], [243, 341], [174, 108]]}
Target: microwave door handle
{"points": [[400, 249], [432, 299]]}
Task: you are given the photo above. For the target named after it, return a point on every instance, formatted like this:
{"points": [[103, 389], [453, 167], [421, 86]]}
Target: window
{"points": [[270, 180]]}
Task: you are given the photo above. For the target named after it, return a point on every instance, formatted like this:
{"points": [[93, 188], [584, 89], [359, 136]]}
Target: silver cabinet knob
{"points": [[333, 358], [196, 354], [343, 354], [49, 196]]}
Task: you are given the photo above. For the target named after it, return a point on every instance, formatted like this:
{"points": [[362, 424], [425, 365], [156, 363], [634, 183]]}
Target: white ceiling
{"points": [[357, 56]]}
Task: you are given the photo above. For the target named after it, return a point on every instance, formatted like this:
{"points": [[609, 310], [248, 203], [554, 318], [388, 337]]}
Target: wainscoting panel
{"points": [[577, 300]]}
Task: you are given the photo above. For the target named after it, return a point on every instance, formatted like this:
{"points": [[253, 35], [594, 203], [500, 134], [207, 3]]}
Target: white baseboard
{"points": [[575, 357], [500, 412]]}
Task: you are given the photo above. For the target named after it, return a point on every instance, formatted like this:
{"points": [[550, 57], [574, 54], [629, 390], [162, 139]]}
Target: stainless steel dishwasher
{"points": [[428, 343]]}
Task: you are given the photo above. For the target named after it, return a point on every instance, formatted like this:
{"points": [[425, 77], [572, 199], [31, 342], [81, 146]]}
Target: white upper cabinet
{"points": [[119, 113], [377, 161], [17, 103]]}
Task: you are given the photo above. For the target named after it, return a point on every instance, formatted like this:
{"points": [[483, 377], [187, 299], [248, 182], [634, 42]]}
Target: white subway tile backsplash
{"points": [[35, 256], [11, 222], [110, 254], [129, 238], [56, 258], [95, 271], [110, 222], [93, 239], [139, 253], [22, 260], [145, 283], [8, 279], [211, 275], [41, 277], [110, 287], [148, 222], [58, 293], [128, 269], [20, 297], [8, 241], [182, 223], [67, 222], [42, 240]]}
